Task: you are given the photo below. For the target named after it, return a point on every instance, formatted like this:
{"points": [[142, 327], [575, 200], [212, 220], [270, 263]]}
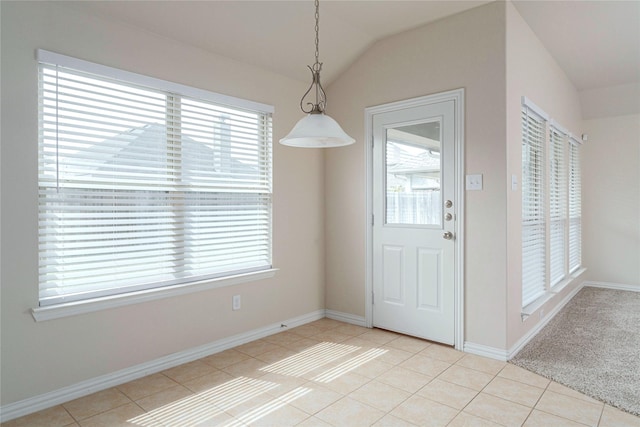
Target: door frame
{"points": [[457, 96]]}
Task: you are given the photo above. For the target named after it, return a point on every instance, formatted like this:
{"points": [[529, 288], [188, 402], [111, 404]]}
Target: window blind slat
{"points": [[141, 187]]}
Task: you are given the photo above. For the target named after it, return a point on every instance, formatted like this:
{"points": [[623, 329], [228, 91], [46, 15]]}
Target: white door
{"points": [[414, 221]]}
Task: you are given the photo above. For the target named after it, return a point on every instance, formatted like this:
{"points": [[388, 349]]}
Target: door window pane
{"points": [[413, 174]]}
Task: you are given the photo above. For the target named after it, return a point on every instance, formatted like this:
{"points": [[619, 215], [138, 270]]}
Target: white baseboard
{"points": [[485, 351], [84, 388], [616, 286], [533, 332], [346, 317], [504, 355]]}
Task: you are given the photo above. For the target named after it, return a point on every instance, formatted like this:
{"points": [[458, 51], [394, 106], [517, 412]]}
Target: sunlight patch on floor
{"points": [[213, 404], [310, 359], [203, 406], [262, 411], [349, 365]]}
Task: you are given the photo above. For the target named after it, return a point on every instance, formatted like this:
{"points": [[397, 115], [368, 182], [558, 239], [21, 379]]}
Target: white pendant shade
{"points": [[317, 131]]}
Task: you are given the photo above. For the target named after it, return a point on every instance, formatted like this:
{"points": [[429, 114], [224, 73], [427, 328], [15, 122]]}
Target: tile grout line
{"points": [[474, 398], [70, 414], [562, 394], [413, 353], [537, 401]]}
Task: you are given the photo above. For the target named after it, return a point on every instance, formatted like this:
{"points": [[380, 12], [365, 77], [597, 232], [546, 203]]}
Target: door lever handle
{"points": [[447, 235]]}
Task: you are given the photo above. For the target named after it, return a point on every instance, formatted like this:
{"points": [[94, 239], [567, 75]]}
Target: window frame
{"points": [[558, 203], [574, 209], [61, 309], [559, 192], [534, 245]]}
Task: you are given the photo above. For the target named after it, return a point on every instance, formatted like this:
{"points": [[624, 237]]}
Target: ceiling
{"points": [[597, 43]]}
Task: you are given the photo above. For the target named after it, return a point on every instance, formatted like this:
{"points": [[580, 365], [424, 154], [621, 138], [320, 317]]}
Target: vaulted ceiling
{"points": [[597, 43]]}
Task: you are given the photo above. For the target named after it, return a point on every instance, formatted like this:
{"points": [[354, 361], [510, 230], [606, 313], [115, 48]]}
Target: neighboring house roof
{"points": [[139, 148], [410, 167]]}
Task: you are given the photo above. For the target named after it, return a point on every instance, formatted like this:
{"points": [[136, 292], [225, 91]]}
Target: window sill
{"points": [[558, 287], [80, 307], [531, 308]]}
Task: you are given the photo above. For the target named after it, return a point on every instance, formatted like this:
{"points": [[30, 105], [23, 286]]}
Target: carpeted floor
{"points": [[593, 346]]}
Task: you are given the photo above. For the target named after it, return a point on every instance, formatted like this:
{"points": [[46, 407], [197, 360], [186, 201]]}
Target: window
{"points": [[575, 207], [145, 183], [551, 218], [557, 204], [533, 206]]}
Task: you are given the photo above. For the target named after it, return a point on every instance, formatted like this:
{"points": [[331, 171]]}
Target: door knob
{"points": [[447, 235], [448, 204]]}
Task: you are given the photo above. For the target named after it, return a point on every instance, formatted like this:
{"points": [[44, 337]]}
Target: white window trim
{"points": [[57, 311], [78, 64], [65, 309], [533, 107]]}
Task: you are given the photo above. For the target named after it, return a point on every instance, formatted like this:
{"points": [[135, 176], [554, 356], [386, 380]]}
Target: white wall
{"points": [[611, 199], [46, 356], [494, 55], [465, 50], [610, 101], [531, 72]]}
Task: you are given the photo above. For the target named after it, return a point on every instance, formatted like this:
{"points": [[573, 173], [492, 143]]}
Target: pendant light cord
{"points": [[317, 32], [320, 103]]}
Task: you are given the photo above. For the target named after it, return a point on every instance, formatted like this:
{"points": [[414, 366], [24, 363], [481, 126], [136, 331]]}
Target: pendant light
{"points": [[316, 129]]}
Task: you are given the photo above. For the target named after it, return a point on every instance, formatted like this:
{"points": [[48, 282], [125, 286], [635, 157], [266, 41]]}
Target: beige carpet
{"points": [[593, 346]]}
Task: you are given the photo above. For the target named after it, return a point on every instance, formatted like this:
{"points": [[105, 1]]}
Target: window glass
{"points": [[413, 174]]}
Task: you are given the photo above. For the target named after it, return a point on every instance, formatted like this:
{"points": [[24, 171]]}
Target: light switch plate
{"points": [[474, 182]]}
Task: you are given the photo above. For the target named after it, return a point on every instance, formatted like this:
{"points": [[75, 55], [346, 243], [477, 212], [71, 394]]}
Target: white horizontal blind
{"points": [[557, 205], [575, 207], [142, 188], [533, 206]]}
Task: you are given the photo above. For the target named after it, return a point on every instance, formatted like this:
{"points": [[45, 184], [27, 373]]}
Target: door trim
{"points": [[457, 96]]}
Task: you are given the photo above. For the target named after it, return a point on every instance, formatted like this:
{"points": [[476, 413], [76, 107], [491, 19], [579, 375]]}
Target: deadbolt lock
{"points": [[448, 204], [448, 217]]}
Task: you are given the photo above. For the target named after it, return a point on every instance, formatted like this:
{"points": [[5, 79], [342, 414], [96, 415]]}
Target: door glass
{"points": [[413, 174]]}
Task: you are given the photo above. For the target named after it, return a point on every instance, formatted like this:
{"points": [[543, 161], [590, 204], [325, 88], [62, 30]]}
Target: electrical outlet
{"points": [[235, 302]]}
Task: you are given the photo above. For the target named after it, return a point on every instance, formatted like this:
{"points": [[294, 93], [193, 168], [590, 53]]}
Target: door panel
{"points": [[429, 279], [413, 190], [393, 267]]}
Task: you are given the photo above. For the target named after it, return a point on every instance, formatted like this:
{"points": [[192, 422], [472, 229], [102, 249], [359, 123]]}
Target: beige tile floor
{"points": [[329, 373]]}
